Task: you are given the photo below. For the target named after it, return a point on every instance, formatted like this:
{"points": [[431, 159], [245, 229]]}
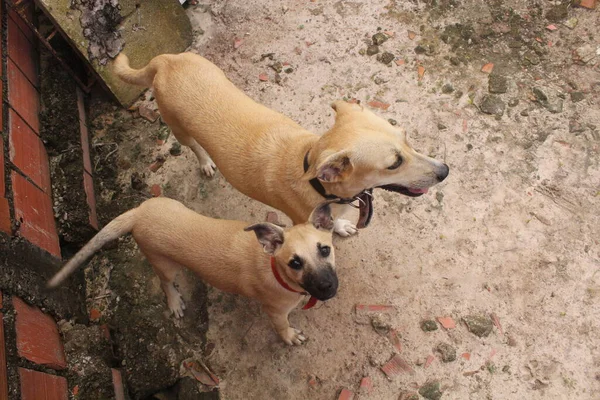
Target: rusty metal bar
{"points": [[42, 39], [92, 82], [21, 3], [51, 35]]}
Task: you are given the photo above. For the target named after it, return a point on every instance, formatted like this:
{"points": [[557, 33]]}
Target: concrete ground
{"points": [[511, 235]]}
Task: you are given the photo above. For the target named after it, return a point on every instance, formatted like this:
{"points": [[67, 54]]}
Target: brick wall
{"points": [[32, 359], [29, 177]]}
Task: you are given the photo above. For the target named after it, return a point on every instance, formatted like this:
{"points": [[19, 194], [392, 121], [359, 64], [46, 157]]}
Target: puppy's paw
{"points": [[344, 228], [176, 305], [208, 168], [293, 337]]}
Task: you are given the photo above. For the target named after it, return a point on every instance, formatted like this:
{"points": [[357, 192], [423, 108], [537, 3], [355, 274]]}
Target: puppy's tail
{"points": [[139, 77], [117, 227]]}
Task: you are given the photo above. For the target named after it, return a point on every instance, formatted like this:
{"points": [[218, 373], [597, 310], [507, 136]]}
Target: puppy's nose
{"points": [[442, 173], [325, 286]]}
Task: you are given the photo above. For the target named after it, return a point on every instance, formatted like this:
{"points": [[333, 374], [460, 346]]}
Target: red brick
{"points": [[22, 52], [3, 375], [487, 68], [366, 385], [374, 307], [345, 394], [394, 337], [28, 11], [33, 209], [379, 104], [38, 339], [4, 216], [420, 72], [591, 4], [23, 96], [497, 322], [118, 384], [1, 91], [155, 190], [447, 322], [88, 183], [95, 314], [28, 153], [396, 366], [2, 182], [429, 361], [105, 331], [41, 386]]}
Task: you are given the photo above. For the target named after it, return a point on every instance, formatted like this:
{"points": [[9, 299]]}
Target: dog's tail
{"points": [[139, 77], [117, 227]]}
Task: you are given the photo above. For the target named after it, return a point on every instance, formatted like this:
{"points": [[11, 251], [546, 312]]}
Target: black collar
{"points": [[316, 184], [365, 198]]}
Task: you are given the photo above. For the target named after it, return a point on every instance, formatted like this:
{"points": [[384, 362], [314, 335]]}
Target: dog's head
{"points": [[363, 151], [304, 253]]}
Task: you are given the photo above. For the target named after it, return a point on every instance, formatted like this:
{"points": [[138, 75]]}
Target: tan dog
{"points": [[277, 271], [272, 159]]}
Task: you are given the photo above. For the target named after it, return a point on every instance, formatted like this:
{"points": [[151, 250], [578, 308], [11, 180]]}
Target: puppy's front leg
{"points": [[280, 321], [341, 226]]}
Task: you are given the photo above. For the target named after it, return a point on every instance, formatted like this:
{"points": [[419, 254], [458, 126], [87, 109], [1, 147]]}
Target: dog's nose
{"points": [[442, 173]]}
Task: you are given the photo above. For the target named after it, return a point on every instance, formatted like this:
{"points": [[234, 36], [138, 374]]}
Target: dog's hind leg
{"points": [[207, 165], [167, 270]]}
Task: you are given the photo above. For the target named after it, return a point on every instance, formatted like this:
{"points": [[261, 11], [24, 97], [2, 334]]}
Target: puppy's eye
{"points": [[295, 263], [397, 164], [324, 251]]}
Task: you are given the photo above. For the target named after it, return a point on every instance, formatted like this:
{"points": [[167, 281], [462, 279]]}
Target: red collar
{"points": [[311, 302]]}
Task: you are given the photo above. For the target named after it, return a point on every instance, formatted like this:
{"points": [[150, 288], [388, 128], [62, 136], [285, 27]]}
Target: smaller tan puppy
{"points": [[277, 271]]}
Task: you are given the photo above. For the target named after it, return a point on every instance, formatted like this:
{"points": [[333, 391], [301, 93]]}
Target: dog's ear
{"points": [[269, 235], [336, 168], [342, 107], [321, 217]]}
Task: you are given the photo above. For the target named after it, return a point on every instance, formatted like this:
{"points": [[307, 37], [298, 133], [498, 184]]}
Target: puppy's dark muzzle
{"points": [[322, 284]]}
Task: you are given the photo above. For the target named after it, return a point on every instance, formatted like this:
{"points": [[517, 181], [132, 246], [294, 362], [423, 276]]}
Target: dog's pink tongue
{"points": [[418, 191]]}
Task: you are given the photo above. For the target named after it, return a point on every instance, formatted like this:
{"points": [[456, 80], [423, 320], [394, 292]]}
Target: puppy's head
{"points": [[304, 253], [363, 150]]}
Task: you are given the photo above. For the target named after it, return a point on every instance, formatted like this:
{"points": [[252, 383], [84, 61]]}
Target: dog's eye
{"points": [[397, 163], [324, 251], [295, 263]]}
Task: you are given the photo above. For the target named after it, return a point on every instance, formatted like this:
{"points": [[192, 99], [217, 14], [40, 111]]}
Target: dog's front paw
{"points": [[344, 228], [293, 337], [176, 305], [208, 168]]}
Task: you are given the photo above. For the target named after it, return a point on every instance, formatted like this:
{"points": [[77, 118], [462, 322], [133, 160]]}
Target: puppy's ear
{"points": [[321, 217], [336, 168], [270, 236]]}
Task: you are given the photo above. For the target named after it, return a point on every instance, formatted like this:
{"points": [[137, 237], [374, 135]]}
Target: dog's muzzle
{"points": [[322, 284]]}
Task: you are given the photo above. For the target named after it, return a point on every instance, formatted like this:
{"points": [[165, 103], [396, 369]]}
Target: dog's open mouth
{"points": [[404, 190], [365, 201]]}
